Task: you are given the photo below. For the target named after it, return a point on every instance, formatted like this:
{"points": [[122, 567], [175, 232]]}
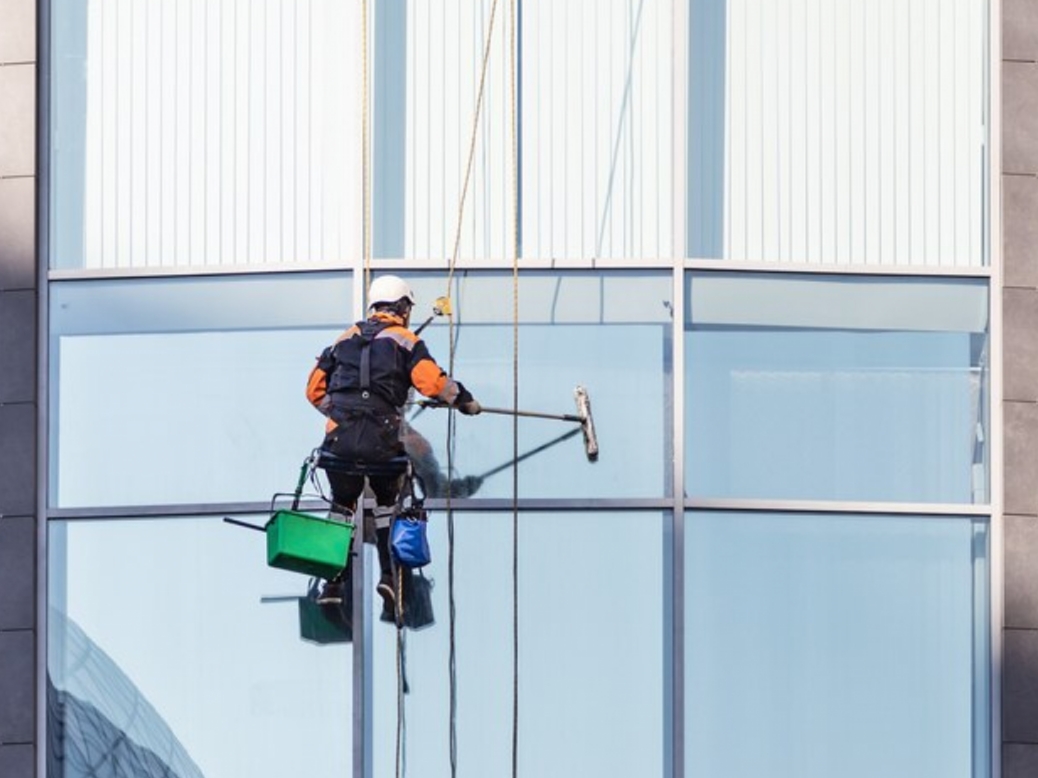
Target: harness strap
{"points": [[365, 368]]}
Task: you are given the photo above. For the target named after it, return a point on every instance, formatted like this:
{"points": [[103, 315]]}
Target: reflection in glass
{"points": [[609, 332], [174, 634], [839, 132], [98, 722], [840, 388], [840, 645], [186, 390], [597, 120], [592, 627], [214, 134]]}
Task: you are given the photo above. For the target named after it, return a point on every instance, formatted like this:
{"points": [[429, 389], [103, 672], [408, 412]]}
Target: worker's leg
{"points": [[387, 496], [346, 489]]}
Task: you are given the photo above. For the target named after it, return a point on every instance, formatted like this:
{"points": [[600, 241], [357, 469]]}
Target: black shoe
{"points": [[331, 594]]}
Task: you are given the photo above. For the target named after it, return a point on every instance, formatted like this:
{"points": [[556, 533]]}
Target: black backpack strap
{"points": [[365, 367], [369, 331]]}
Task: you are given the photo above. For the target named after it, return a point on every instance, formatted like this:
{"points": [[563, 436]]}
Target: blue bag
{"points": [[409, 540]]}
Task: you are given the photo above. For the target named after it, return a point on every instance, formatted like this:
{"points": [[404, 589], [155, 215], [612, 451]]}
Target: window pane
{"points": [[592, 639], [186, 390], [595, 103], [171, 643], [608, 332], [842, 132], [836, 388], [215, 133], [840, 645]]}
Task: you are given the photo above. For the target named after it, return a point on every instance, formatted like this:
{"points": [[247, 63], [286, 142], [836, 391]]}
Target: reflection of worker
{"points": [[435, 482], [360, 383]]}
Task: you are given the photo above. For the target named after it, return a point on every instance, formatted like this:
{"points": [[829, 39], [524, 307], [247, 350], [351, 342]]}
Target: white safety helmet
{"points": [[386, 290]]}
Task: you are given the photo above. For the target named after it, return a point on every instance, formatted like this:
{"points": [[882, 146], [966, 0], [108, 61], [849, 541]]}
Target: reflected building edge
{"points": [[98, 722]]}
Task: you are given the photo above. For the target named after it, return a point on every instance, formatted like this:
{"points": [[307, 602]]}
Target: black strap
{"points": [[365, 366]]}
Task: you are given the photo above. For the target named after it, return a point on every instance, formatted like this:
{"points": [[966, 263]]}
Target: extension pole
{"points": [[587, 424], [511, 412], [533, 414]]}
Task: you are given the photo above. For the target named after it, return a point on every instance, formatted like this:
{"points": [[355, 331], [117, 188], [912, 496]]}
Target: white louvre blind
{"points": [[216, 132], [597, 123], [854, 131]]}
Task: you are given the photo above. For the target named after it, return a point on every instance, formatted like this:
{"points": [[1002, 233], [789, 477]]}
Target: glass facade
{"points": [[185, 390], [846, 645], [775, 289], [593, 665], [836, 388], [189, 135], [175, 633]]}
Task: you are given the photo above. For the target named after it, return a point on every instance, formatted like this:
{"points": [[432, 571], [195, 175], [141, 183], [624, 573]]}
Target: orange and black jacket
{"points": [[397, 360]]}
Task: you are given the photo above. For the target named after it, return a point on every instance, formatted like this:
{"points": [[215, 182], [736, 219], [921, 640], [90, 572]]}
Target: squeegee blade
{"points": [[587, 423]]}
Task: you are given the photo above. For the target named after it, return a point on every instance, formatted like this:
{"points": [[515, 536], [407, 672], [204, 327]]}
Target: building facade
{"points": [[786, 247]]}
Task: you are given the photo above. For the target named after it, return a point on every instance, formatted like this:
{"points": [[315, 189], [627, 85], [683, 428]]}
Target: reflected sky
{"points": [[845, 645], [181, 396], [189, 612]]}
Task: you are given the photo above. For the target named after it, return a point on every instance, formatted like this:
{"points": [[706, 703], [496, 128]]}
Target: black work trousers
{"points": [[366, 438]]}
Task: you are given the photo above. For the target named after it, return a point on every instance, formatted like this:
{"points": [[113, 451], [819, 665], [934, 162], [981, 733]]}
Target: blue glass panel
{"points": [[173, 645], [836, 388], [184, 390], [836, 645], [593, 636], [608, 332]]}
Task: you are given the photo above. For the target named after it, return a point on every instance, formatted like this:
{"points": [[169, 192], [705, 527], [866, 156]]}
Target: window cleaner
{"points": [[360, 383]]}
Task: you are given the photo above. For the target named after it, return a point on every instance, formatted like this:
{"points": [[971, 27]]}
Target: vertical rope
{"points": [[401, 677], [365, 152], [515, 396], [452, 653], [398, 613], [452, 340], [472, 151]]}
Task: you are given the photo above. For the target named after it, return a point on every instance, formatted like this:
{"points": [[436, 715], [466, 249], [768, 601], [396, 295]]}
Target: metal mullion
{"points": [[677, 687], [992, 213], [43, 248], [363, 688], [467, 505], [865, 271], [937, 510], [675, 691]]}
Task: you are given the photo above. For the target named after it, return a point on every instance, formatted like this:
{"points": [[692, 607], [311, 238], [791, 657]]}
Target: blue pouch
{"points": [[409, 541]]}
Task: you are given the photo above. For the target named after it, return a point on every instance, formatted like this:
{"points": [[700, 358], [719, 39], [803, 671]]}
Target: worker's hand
{"points": [[465, 402], [470, 408]]}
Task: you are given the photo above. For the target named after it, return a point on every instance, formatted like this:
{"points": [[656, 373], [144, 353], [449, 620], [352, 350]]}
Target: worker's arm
{"points": [[430, 379], [317, 383]]}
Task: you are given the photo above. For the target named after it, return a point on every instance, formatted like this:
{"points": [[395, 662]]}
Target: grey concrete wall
{"points": [[18, 407], [1020, 388]]}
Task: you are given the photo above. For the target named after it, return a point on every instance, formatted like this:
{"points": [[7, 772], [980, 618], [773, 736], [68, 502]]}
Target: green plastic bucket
{"points": [[308, 544]]}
